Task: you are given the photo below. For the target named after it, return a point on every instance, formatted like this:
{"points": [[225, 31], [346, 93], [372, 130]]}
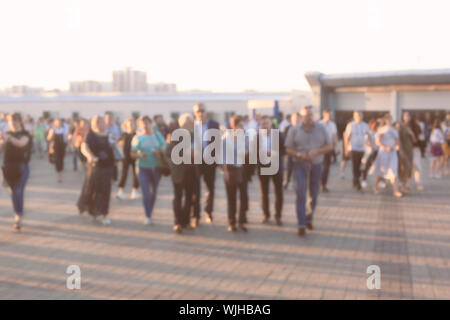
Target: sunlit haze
{"points": [[217, 45]]}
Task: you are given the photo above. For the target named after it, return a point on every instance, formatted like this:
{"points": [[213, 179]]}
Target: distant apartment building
{"points": [[129, 80], [85, 87], [22, 90], [162, 87]]}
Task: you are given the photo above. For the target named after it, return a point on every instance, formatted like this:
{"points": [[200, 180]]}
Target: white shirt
{"points": [[422, 131], [284, 124], [331, 128], [389, 135], [437, 136], [253, 124], [357, 132]]}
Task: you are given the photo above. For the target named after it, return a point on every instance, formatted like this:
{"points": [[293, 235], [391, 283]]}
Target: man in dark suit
{"points": [[207, 171], [183, 177], [277, 178], [235, 177]]}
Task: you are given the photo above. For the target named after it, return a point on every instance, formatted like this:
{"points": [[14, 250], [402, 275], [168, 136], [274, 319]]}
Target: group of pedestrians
{"points": [[393, 151], [108, 150]]}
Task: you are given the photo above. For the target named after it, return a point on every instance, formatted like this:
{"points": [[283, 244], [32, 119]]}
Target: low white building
{"points": [[424, 92], [219, 105]]}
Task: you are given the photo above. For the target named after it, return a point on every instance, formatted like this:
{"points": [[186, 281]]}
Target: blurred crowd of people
{"points": [[106, 149]]}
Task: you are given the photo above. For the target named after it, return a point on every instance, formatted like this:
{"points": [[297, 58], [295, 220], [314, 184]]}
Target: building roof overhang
{"points": [[389, 78]]}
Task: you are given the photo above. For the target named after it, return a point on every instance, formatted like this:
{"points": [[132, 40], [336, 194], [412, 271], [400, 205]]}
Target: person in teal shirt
{"points": [[145, 147]]}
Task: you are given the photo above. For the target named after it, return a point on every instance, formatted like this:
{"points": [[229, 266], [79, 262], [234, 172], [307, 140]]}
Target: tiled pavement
{"points": [[409, 239]]}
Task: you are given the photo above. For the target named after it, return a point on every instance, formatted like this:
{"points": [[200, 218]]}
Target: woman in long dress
{"points": [[406, 152], [386, 163], [96, 191]]}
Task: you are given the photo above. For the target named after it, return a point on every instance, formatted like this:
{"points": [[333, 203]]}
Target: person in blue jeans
{"points": [[307, 143], [16, 144], [146, 146]]}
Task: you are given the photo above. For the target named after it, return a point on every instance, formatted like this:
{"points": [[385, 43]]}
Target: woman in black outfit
{"points": [[16, 144], [57, 136], [125, 144], [96, 191]]}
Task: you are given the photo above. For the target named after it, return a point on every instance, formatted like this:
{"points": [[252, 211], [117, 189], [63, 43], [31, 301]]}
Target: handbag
{"points": [[161, 162]]}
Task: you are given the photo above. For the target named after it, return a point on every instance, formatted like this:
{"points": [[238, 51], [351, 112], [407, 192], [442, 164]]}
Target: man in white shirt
{"points": [[354, 144], [254, 122], [285, 123], [331, 129]]}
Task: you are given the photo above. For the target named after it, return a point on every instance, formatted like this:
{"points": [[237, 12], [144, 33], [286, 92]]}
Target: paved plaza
{"points": [[408, 238]]}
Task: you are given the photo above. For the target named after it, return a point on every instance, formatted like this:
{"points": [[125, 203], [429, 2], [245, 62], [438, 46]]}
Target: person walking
{"points": [[146, 146], [445, 126], [207, 171], [71, 143], [57, 137], [161, 125], [39, 138], [295, 119], [183, 177], [16, 145], [436, 153], [416, 130], [78, 136], [386, 163], [264, 146], [234, 174], [307, 143], [373, 125], [422, 137], [407, 140], [331, 128], [355, 136], [114, 132], [125, 144], [96, 192]]}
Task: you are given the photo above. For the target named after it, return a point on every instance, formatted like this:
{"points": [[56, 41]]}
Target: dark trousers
{"points": [[124, 174], [232, 189], [75, 159], [356, 166], [59, 158], [18, 192], [264, 186], [326, 167], [183, 191], [208, 172], [368, 164], [422, 146]]}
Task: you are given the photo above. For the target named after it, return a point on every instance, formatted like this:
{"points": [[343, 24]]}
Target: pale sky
{"points": [[227, 45]]}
